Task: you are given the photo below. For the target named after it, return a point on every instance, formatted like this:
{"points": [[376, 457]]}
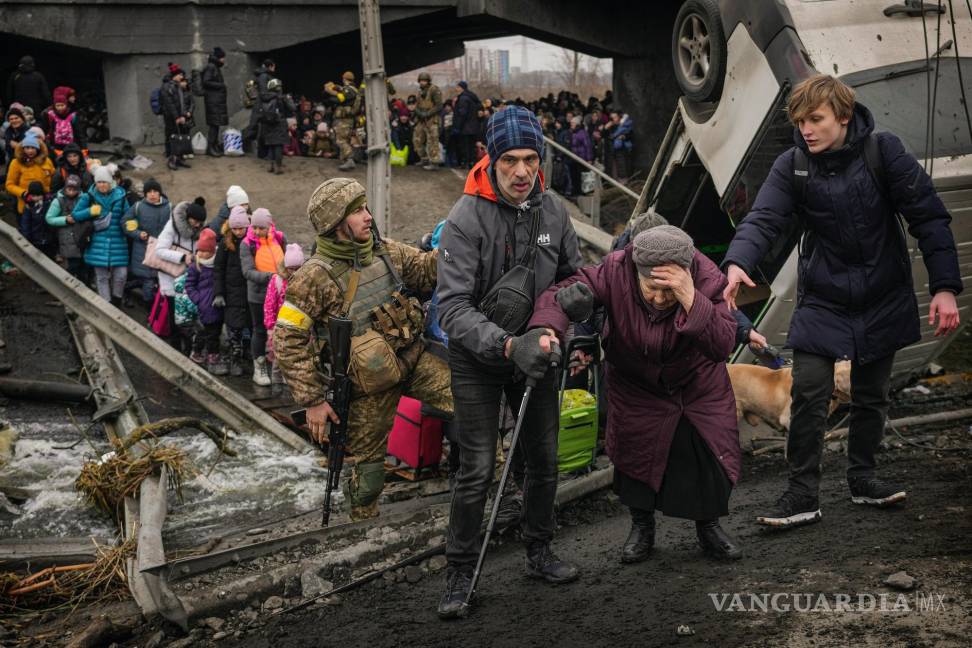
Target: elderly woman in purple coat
{"points": [[671, 430]]}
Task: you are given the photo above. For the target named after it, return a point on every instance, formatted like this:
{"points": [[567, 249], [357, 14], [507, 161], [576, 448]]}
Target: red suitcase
{"points": [[415, 439]]}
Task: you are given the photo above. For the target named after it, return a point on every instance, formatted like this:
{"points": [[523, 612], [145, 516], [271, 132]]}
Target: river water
{"points": [[266, 482]]}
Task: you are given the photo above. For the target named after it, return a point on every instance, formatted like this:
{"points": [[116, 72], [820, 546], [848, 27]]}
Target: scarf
{"points": [[207, 262], [332, 248]]}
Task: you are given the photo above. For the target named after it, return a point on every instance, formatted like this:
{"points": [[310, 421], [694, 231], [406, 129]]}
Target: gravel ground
{"points": [[419, 198], [851, 551]]}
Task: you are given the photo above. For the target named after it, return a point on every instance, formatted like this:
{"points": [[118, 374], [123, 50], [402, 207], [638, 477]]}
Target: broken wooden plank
{"points": [[217, 398]]}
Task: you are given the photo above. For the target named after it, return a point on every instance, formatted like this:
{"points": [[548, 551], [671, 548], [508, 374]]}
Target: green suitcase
{"points": [[577, 441]]}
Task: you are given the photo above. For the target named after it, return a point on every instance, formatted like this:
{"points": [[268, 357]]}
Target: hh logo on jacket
{"points": [[543, 239]]}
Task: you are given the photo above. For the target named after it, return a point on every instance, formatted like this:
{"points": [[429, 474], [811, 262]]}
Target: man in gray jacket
{"points": [[487, 233]]}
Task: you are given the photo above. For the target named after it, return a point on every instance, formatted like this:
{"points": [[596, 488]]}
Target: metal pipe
{"points": [[591, 167], [642, 203], [45, 390], [376, 105]]}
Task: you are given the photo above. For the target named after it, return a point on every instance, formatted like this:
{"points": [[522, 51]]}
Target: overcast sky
{"points": [[541, 56]]}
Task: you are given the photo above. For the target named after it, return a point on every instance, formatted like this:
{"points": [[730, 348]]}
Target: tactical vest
{"points": [[346, 109], [426, 101], [378, 303]]}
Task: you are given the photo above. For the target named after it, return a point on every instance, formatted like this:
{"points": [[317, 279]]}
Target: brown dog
{"points": [[764, 393]]}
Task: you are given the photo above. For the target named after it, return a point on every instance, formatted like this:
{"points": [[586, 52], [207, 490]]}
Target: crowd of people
{"points": [[663, 308], [430, 128]]}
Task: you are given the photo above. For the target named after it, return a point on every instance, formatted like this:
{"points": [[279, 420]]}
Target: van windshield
{"points": [[897, 97]]}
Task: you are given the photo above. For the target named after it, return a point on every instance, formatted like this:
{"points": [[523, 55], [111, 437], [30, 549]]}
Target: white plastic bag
{"points": [[587, 181], [198, 143], [232, 142]]}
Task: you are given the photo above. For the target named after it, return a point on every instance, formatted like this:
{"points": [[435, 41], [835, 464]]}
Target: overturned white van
{"points": [[736, 62]]}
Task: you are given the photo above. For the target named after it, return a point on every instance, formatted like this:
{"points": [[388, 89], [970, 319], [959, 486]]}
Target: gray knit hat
{"points": [[660, 245], [646, 221]]}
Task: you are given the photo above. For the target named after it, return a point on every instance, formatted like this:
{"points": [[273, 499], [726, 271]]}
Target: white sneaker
{"points": [[260, 374]]}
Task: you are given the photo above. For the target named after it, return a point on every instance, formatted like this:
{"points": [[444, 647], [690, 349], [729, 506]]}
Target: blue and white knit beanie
{"points": [[513, 128], [30, 140]]}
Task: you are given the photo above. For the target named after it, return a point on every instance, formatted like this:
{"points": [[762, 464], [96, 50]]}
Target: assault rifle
{"points": [[339, 396]]}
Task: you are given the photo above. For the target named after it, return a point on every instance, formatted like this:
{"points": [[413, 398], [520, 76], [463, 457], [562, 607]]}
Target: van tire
{"points": [[699, 50]]}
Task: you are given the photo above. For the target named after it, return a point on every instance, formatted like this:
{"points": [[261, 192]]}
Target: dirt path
{"points": [[419, 198], [850, 552]]}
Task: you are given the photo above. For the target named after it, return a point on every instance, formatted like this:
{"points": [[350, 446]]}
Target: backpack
{"points": [[195, 83], [63, 131], [250, 93], [155, 100], [874, 162], [270, 111]]}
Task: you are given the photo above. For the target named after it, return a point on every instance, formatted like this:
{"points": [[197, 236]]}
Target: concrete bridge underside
{"points": [[126, 44]]}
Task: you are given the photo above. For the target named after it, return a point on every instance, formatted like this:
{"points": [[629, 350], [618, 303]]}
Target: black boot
{"points": [[715, 542], [543, 563], [641, 538], [116, 302], [452, 605], [272, 166], [214, 151], [172, 163], [182, 163]]}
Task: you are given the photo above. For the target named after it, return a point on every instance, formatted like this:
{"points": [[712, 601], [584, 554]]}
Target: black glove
{"points": [[577, 300], [526, 354]]}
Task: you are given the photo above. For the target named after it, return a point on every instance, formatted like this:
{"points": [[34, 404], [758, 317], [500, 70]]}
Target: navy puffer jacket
{"points": [[855, 296]]}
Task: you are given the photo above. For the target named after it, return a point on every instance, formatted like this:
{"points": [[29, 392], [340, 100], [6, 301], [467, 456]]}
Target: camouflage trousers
{"points": [[425, 138], [343, 130], [370, 421]]}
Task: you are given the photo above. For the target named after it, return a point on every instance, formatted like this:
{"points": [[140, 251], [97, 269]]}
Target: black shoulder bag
{"points": [[509, 303]]}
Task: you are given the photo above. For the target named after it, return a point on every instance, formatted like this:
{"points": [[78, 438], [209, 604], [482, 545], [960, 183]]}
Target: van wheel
{"points": [[699, 50]]}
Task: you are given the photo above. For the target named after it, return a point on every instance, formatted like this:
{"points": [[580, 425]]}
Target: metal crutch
{"points": [[501, 489]]}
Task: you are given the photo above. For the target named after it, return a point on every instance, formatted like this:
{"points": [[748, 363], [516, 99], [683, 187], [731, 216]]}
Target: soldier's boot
{"points": [[359, 513], [363, 488], [347, 165]]}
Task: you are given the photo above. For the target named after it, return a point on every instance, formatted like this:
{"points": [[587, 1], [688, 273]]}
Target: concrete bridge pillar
{"points": [[130, 79]]}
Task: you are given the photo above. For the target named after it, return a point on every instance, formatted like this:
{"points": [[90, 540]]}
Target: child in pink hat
{"points": [[276, 292]]}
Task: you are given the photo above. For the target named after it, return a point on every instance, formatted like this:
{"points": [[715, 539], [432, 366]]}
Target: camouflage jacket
{"points": [[429, 103], [312, 297], [345, 98]]}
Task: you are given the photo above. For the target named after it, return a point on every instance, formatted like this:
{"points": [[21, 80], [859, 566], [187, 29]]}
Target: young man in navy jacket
{"points": [[855, 294]]}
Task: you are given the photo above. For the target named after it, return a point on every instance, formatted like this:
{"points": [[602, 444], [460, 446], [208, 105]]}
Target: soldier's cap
{"points": [[348, 74], [424, 76], [332, 201]]}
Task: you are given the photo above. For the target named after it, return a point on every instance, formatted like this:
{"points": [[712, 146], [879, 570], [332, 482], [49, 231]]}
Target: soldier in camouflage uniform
{"points": [[426, 134], [353, 272], [361, 110], [345, 97]]}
